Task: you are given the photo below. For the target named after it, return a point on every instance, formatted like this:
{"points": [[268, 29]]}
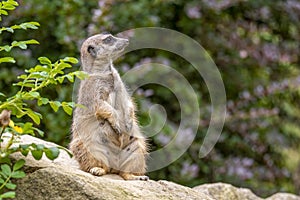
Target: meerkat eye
{"points": [[108, 40], [92, 50]]}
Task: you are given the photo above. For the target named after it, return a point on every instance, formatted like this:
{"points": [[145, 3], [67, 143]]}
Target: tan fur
{"points": [[106, 137]]}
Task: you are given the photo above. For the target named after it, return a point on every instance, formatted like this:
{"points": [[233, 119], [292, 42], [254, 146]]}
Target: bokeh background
{"points": [[255, 45]]}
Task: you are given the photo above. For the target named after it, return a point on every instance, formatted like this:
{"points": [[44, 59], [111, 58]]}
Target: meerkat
{"points": [[106, 137]]}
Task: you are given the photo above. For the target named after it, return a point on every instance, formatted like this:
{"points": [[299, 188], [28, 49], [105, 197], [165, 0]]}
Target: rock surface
{"points": [[61, 179]]}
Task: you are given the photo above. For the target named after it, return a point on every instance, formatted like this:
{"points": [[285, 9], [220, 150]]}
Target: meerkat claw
{"points": [[97, 171], [143, 178]]}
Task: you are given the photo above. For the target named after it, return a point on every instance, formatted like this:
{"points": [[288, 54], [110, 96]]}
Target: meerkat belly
{"points": [[103, 144], [104, 148]]}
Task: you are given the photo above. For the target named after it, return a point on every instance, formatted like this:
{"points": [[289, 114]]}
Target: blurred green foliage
{"points": [[255, 45]]}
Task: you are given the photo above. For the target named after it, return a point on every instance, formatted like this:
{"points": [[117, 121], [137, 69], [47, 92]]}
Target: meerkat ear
{"points": [[92, 50]]}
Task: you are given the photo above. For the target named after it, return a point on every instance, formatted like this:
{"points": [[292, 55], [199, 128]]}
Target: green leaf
{"points": [[31, 25], [1, 94], [24, 146], [18, 174], [62, 66], [52, 153], [36, 117], [43, 101], [13, 2], [7, 48], [32, 41], [29, 85], [10, 30], [70, 60], [71, 104], [23, 76], [6, 169], [27, 126], [37, 154], [41, 133], [40, 68], [18, 165], [5, 159], [61, 79], [40, 146], [22, 45], [3, 12], [10, 186], [24, 152], [70, 78], [23, 26], [44, 60], [7, 59], [8, 195], [67, 108], [66, 150], [55, 105], [81, 75], [34, 94], [8, 6]]}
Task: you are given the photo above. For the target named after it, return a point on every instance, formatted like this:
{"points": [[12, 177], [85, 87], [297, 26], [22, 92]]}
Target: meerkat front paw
{"points": [[103, 114], [97, 171]]}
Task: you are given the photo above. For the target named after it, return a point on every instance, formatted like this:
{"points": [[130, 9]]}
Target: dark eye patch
{"points": [[108, 40], [91, 49]]}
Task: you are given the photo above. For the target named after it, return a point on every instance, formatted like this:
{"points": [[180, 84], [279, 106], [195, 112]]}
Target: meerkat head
{"points": [[97, 51]]}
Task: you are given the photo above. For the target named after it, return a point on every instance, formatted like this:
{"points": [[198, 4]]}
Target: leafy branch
{"points": [[31, 83], [6, 6], [34, 80], [6, 174]]}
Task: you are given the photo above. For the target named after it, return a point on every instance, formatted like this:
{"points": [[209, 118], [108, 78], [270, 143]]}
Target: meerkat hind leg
{"points": [[129, 176], [97, 171]]}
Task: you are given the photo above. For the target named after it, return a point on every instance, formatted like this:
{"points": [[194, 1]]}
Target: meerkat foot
{"points": [[97, 171], [127, 176]]}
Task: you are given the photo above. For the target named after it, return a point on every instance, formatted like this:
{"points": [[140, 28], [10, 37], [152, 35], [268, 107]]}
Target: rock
{"points": [[223, 191], [61, 179], [283, 196]]}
